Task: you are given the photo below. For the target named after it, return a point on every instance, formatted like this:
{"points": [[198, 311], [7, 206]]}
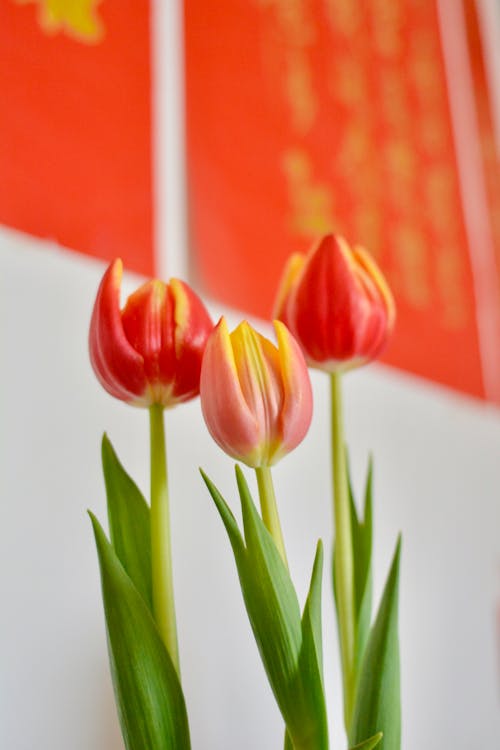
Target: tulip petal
{"points": [[151, 352], [296, 414], [289, 278], [376, 313], [192, 326], [256, 398], [373, 273], [323, 303], [119, 368], [148, 325], [337, 304], [228, 418], [257, 364]]}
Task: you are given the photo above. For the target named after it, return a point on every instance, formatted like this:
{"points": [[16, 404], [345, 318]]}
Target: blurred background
{"points": [[209, 141]]}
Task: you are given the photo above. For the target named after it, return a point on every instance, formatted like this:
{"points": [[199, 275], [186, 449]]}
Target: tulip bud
{"points": [[337, 304], [256, 398], [150, 352]]}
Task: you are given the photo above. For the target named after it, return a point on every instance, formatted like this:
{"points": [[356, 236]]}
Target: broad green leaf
{"points": [[148, 693], [273, 609], [128, 515], [290, 648], [369, 744], [270, 597], [378, 706], [278, 603], [288, 742]]}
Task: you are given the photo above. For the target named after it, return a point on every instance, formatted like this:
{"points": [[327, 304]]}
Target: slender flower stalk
{"points": [[161, 547], [269, 508], [343, 563]]}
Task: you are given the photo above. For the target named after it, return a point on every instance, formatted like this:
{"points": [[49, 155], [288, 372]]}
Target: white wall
{"points": [[437, 478]]}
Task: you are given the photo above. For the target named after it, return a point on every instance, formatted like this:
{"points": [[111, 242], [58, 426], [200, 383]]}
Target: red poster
{"points": [[75, 125], [306, 116]]}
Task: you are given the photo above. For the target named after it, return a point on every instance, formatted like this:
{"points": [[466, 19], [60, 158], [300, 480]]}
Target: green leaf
{"points": [[267, 589], [311, 655], [369, 744], [272, 606], [361, 539], [362, 534], [148, 693], [129, 525], [290, 648], [311, 618], [378, 704]]}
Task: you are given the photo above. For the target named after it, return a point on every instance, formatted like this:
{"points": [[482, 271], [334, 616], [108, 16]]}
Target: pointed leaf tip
{"points": [[227, 517], [240, 479], [370, 743], [93, 519]]}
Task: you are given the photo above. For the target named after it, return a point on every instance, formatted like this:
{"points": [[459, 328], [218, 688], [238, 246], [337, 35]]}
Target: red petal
{"points": [[226, 413], [192, 327], [326, 303], [296, 414], [119, 368]]}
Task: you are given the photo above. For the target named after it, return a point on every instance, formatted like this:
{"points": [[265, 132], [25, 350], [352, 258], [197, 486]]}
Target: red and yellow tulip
{"points": [[150, 352], [337, 304], [256, 398]]}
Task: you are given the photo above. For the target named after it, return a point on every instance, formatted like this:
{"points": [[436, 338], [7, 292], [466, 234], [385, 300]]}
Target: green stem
{"points": [[269, 508], [343, 564], [161, 548]]}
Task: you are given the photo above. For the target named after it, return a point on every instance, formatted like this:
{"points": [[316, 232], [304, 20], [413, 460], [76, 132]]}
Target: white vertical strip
{"points": [[489, 23], [168, 138], [473, 190]]}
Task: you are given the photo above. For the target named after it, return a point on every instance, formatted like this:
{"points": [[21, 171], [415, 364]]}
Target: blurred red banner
{"points": [[75, 125], [369, 119], [373, 120]]}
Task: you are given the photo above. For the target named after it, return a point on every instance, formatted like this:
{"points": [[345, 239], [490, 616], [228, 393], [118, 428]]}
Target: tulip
{"points": [[256, 398], [337, 304], [150, 352]]}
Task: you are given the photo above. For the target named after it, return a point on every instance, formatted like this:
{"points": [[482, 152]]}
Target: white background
{"points": [[437, 478]]}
